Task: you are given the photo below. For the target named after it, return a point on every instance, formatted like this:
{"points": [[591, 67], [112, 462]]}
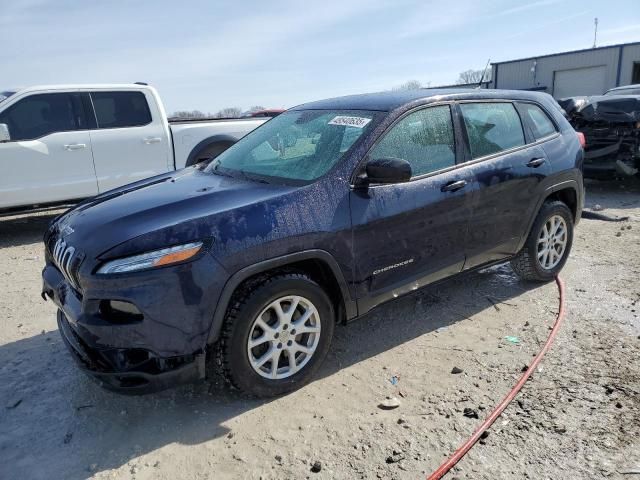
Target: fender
{"points": [[564, 185], [237, 278], [222, 138]]}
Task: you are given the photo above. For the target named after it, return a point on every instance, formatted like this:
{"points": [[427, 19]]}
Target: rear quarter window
{"points": [[539, 122], [121, 109], [492, 127]]}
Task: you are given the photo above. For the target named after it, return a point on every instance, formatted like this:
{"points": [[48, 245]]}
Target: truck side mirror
{"points": [[388, 170], [4, 133]]}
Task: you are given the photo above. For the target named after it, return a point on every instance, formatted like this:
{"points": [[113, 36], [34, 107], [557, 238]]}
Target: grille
{"points": [[67, 260]]}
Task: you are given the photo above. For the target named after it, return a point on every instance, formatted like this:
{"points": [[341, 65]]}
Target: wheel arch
{"points": [[567, 192], [221, 139], [318, 264]]}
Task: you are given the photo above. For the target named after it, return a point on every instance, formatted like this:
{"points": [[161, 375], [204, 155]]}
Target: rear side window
{"points": [[120, 109], [492, 127], [39, 115], [424, 138], [540, 123]]}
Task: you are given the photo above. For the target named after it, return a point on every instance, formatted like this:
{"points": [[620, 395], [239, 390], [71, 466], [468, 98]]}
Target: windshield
{"points": [[299, 145], [5, 94], [624, 91]]}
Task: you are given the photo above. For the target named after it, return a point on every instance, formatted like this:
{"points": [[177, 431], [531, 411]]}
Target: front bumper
{"points": [[164, 348], [146, 378]]}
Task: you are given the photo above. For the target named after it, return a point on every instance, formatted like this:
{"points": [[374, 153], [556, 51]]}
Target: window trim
{"points": [[95, 114], [458, 146], [40, 94]]}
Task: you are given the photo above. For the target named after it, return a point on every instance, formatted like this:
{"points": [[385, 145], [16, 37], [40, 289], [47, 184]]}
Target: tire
{"points": [[527, 263], [257, 301], [208, 153]]}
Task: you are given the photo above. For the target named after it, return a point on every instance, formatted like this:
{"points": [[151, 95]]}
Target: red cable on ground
{"points": [[466, 446]]}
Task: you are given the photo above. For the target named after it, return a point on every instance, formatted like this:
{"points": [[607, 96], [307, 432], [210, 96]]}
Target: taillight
{"points": [[582, 139]]}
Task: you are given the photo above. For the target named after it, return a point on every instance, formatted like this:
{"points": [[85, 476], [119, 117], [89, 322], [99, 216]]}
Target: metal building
{"points": [[581, 72]]}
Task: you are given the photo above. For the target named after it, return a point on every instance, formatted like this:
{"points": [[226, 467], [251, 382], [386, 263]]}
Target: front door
{"points": [[408, 234], [48, 158]]}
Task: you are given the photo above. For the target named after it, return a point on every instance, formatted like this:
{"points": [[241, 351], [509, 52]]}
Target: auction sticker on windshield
{"points": [[358, 122]]}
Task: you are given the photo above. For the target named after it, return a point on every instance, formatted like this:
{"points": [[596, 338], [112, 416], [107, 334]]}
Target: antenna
{"points": [[595, 31], [484, 72]]}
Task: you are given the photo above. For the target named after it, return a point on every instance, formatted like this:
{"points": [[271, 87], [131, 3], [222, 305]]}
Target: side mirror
{"points": [[388, 170], [4, 133]]}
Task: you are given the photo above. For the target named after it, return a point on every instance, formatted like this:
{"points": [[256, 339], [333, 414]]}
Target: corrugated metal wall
{"points": [[538, 73]]}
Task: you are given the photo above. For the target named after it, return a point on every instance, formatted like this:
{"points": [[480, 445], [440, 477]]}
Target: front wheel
{"points": [[548, 245], [276, 334]]}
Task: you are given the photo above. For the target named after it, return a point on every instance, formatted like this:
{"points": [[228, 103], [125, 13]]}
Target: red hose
{"points": [[466, 446]]}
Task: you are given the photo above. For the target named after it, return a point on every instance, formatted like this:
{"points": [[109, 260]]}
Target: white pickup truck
{"points": [[60, 144]]}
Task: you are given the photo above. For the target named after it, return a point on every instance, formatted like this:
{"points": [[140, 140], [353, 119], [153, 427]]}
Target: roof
{"points": [[617, 45], [390, 100], [88, 86], [625, 87]]}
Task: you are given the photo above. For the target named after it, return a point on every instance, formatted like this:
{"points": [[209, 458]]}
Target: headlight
{"points": [[156, 258]]}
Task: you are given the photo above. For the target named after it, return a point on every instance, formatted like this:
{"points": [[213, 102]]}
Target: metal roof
{"points": [[537, 57]]}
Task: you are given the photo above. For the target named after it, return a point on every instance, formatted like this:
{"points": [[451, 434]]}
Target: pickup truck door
{"points": [[130, 140], [409, 234], [48, 158]]}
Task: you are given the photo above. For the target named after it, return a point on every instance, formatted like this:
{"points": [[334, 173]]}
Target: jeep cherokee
{"points": [[316, 217]]}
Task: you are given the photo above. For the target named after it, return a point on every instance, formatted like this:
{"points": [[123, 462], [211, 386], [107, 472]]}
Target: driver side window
{"points": [[424, 138]]}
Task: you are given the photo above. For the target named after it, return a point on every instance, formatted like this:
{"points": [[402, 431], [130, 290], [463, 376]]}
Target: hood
{"points": [[165, 210], [606, 108]]}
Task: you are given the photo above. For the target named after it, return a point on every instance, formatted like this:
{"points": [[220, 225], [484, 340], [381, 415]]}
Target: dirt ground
{"points": [[578, 418]]}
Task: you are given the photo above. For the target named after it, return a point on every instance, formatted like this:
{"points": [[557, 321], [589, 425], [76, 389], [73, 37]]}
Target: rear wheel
{"points": [[548, 245], [276, 334]]}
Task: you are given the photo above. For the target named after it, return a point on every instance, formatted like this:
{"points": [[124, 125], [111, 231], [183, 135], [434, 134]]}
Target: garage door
{"points": [[579, 81]]}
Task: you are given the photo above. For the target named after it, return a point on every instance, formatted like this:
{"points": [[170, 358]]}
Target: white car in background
{"points": [[60, 144]]}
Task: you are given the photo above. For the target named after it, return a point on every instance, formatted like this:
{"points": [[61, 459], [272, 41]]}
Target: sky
{"points": [[207, 55]]}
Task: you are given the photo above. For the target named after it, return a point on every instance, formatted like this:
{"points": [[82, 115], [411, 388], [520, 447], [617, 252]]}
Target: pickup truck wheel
{"points": [[276, 334], [548, 245], [208, 153]]}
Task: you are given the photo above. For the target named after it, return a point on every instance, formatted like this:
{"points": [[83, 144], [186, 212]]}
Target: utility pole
{"points": [[595, 32]]}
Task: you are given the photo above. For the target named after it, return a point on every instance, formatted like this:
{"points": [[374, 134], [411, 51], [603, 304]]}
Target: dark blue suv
{"points": [[313, 219]]}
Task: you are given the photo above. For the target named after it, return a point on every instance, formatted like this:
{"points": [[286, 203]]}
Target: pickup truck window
{"points": [[39, 115], [424, 138], [540, 123], [121, 109], [492, 127], [299, 145]]}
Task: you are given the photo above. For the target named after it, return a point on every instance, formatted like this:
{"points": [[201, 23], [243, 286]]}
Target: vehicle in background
{"points": [[611, 126], [315, 218], [60, 144], [626, 90]]}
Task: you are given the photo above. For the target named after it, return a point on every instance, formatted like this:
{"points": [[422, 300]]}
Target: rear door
{"points": [[48, 158], [130, 141], [509, 166], [408, 234]]}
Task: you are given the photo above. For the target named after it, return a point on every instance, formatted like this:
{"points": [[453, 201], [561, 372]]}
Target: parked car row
{"points": [[60, 144]]}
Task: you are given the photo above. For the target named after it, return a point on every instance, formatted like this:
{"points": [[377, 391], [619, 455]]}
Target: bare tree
{"points": [[472, 76], [229, 112], [255, 108], [188, 114], [409, 85]]}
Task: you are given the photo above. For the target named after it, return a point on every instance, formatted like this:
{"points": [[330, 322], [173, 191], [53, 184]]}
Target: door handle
{"points": [[453, 186], [150, 140], [535, 162], [75, 146]]}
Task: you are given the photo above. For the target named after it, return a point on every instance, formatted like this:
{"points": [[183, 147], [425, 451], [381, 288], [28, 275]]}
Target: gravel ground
{"points": [[578, 417]]}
